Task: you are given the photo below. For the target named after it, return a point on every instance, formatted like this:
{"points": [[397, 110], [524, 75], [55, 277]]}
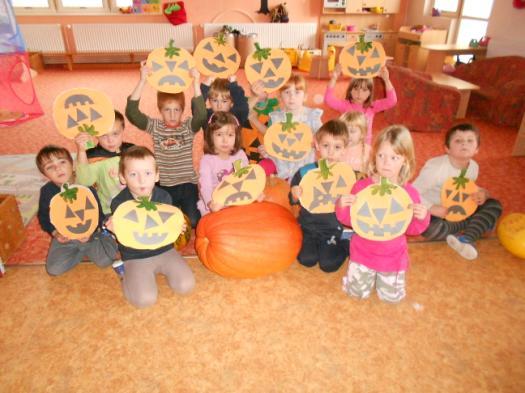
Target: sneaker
{"points": [[462, 247]]}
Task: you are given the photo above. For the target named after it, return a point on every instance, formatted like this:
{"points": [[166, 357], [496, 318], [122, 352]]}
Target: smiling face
{"points": [[224, 140], [140, 175], [388, 162], [58, 169], [463, 145]]}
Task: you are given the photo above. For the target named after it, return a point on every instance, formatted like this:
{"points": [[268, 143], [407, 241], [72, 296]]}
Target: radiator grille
{"points": [[273, 35], [45, 38]]}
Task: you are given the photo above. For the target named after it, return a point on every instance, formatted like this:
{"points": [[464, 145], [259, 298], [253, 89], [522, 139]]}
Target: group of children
{"points": [[121, 172]]}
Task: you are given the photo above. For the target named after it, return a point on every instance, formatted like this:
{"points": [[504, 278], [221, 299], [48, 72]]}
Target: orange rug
{"points": [[499, 171]]}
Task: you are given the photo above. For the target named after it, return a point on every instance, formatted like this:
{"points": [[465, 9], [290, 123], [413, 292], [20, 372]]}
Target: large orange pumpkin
{"points": [[362, 59], [511, 233], [277, 191], [456, 196], [248, 241]]}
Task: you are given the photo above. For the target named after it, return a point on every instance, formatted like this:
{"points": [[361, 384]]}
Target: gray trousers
{"points": [[140, 284], [100, 249]]}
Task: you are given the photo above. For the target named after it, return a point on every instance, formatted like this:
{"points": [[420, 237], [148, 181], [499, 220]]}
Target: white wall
{"points": [[420, 13], [506, 29]]}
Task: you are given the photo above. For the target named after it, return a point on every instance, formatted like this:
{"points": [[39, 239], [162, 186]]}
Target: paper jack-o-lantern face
{"points": [[83, 110], [242, 187], [213, 56], [381, 211], [146, 225], [271, 66], [74, 212], [170, 69], [362, 59], [289, 141], [456, 196], [322, 187]]}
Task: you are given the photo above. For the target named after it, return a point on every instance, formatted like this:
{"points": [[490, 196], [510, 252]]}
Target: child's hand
{"points": [[209, 80], [60, 238], [261, 197], [336, 73], [258, 90], [214, 206], [184, 227], [296, 191], [109, 224], [383, 73], [144, 70], [195, 74], [438, 211], [262, 151], [84, 239], [480, 196], [232, 78], [346, 200], [82, 139], [420, 211]]}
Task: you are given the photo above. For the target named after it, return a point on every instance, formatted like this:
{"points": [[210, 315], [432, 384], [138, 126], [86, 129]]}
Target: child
{"points": [[56, 164], [139, 172], [383, 263], [360, 97], [461, 145], [103, 171], [222, 142], [172, 140], [357, 153], [322, 232], [293, 97]]}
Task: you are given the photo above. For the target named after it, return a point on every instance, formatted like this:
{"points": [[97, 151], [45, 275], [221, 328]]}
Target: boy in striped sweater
{"points": [[172, 140]]}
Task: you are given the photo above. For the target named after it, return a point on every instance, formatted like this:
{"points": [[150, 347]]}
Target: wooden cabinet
{"points": [[408, 52], [389, 43], [354, 6], [372, 3], [391, 6], [362, 7]]}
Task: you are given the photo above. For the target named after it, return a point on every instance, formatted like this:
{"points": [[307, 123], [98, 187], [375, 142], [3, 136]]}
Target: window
{"points": [[447, 7], [80, 6]]}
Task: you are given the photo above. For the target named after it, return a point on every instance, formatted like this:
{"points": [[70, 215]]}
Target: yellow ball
{"points": [[511, 233]]}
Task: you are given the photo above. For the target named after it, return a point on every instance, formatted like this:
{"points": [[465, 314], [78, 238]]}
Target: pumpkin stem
{"points": [[171, 50], [171, 8], [289, 125], [261, 53], [239, 171], [70, 194], [384, 187], [266, 107], [145, 203], [461, 180], [220, 39], [88, 129], [362, 45], [324, 169]]}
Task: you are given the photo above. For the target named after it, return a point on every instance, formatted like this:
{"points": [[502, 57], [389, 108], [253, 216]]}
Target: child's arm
{"points": [[342, 208], [481, 196], [133, 113], [421, 217], [206, 181], [330, 99], [240, 102], [295, 190], [84, 174], [258, 95], [205, 86], [391, 97], [198, 105]]}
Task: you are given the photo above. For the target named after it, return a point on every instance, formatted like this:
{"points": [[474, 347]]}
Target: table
{"points": [[438, 52], [464, 88]]}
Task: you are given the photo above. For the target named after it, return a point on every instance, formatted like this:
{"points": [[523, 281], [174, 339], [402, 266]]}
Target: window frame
{"points": [[109, 7]]}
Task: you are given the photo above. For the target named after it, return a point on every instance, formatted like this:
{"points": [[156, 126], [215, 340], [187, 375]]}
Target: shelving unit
{"points": [[408, 52]]}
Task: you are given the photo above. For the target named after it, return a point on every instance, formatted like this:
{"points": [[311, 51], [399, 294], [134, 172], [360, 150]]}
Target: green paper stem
{"points": [[324, 169], [384, 187], [289, 125], [220, 39], [145, 203], [261, 53], [69, 194], [171, 50], [239, 171], [461, 180], [362, 45]]}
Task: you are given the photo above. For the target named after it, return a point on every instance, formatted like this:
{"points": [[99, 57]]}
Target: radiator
{"points": [[273, 35], [46, 38], [130, 37]]}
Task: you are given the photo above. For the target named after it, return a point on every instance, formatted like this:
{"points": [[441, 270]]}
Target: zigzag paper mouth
{"points": [[149, 239], [377, 230], [273, 83], [79, 228], [213, 67], [171, 80], [285, 153], [364, 71], [238, 196]]}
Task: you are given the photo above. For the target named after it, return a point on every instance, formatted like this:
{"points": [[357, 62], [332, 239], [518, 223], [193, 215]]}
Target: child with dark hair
{"points": [[461, 145], [56, 164]]}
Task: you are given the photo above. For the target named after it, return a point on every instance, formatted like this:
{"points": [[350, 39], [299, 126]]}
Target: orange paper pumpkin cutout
{"points": [[271, 66], [146, 225], [456, 196], [289, 141], [362, 59], [322, 187], [170, 69], [83, 110], [213, 56], [381, 211], [74, 212], [242, 187]]}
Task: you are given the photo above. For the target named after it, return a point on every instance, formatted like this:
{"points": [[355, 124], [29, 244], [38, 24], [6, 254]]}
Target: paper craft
{"points": [[362, 59], [74, 211], [381, 211], [289, 140], [321, 187], [271, 66], [146, 225], [241, 187], [170, 69], [83, 110], [213, 56], [456, 196]]}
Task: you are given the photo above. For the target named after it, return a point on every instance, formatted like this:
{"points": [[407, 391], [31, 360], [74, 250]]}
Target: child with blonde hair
{"points": [[358, 151], [292, 96], [360, 97], [383, 263]]}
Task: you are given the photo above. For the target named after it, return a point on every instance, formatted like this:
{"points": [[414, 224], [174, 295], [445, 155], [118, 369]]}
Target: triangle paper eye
{"points": [[381, 211], [242, 187], [146, 225], [271, 66], [289, 140], [321, 187], [170, 68], [213, 56], [362, 59], [74, 211], [83, 110], [456, 196]]}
